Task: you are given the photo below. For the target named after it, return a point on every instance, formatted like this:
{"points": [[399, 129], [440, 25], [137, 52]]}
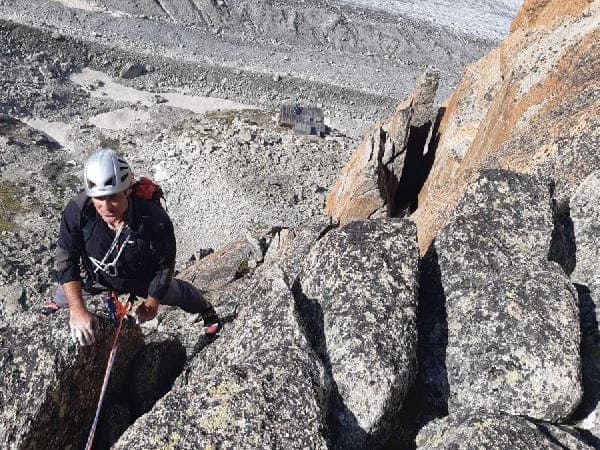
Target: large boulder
{"points": [[585, 216], [290, 246], [529, 106], [476, 430], [214, 276], [218, 269], [50, 387], [358, 296], [258, 385], [230, 262], [220, 277], [513, 345], [382, 175], [512, 316]]}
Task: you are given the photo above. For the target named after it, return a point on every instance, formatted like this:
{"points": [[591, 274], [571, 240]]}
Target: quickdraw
{"points": [[110, 268], [118, 311]]}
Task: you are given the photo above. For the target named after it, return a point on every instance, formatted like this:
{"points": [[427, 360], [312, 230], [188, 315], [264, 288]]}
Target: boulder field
{"points": [[450, 302]]}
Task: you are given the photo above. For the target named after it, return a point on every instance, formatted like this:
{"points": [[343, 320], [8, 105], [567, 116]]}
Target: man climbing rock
{"points": [[113, 240]]}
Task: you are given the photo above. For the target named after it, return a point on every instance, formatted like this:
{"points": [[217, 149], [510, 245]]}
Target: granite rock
{"points": [[358, 294]]}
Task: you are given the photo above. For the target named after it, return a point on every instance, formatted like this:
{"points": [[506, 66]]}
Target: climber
{"points": [[113, 240]]}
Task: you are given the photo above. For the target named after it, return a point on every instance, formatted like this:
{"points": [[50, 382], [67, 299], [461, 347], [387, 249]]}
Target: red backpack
{"points": [[146, 189]]}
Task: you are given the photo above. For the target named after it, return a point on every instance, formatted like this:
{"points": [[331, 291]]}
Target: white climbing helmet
{"points": [[106, 173]]}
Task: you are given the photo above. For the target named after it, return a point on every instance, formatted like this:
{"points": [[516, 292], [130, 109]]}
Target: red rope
{"points": [[121, 311]]}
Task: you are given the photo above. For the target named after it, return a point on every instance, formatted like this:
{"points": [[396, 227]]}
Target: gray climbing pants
{"points": [[180, 293]]}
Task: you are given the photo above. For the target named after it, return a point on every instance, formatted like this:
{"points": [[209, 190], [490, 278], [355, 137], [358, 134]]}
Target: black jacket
{"points": [[145, 266]]}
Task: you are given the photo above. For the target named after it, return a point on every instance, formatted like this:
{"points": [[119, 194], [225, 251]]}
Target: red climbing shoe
{"points": [[212, 322], [49, 309]]}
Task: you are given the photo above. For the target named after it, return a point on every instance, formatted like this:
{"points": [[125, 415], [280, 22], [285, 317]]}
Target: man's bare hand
{"points": [[84, 326], [146, 310]]}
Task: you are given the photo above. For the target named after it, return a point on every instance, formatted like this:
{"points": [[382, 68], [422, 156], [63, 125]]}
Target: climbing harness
{"points": [[118, 310], [111, 267]]}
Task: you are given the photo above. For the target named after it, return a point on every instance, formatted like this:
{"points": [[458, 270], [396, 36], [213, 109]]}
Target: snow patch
{"points": [[101, 85], [59, 131], [87, 5]]}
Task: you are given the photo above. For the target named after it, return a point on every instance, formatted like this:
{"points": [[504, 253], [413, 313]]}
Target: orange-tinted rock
{"points": [[529, 106], [367, 185], [545, 13]]}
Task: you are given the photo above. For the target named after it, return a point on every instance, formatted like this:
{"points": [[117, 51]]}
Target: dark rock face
{"points": [[155, 369], [477, 430], [585, 217], [358, 297], [258, 385], [50, 387], [513, 325], [132, 71]]}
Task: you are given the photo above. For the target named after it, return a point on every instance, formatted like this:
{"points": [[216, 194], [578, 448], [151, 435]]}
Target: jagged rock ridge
{"points": [[529, 106], [390, 164]]}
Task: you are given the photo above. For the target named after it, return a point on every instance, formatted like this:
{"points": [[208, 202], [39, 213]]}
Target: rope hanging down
{"points": [[119, 310]]}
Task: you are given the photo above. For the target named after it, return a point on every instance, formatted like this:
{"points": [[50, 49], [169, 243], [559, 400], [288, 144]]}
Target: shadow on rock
{"points": [[590, 353], [339, 417], [418, 162], [431, 390], [562, 245], [427, 400], [155, 369]]}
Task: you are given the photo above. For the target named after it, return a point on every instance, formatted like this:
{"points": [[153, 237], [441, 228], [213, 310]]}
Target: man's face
{"points": [[111, 207]]}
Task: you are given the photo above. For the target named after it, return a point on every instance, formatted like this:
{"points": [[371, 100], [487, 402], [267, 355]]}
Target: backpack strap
{"points": [[84, 203]]}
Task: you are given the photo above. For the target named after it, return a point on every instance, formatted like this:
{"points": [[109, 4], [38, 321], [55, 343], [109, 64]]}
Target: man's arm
{"points": [[70, 248], [70, 243], [165, 250]]}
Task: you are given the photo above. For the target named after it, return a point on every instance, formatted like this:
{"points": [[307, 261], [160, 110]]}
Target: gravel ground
{"points": [[201, 115], [356, 62]]}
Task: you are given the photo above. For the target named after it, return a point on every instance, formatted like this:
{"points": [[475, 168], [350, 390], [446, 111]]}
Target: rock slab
{"points": [[249, 388], [512, 316], [50, 387], [585, 217], [368, 185], [358, 291], [475, 430]]}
